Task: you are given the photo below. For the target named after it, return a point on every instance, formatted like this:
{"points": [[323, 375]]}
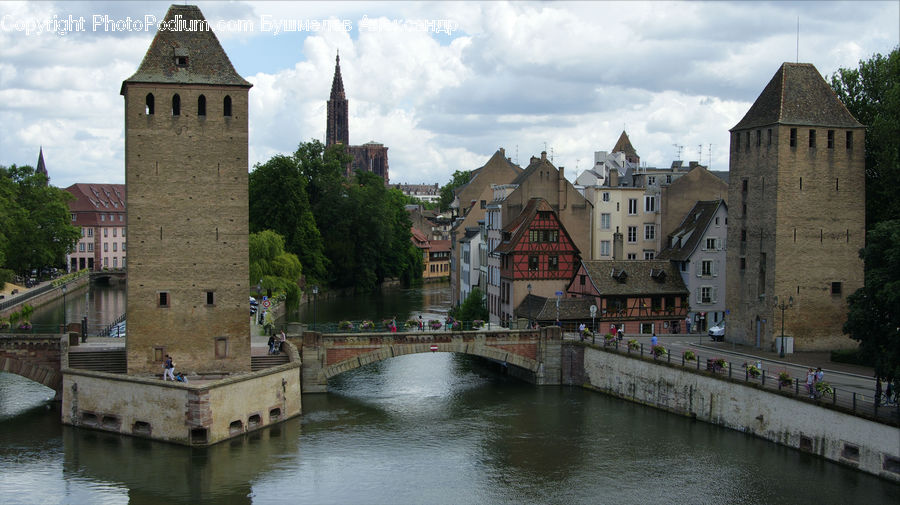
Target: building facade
{"points": [[186, 174], [797, 194], [99, 210]]}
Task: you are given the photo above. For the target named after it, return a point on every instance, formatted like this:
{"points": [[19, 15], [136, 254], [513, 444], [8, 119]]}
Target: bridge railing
{"points": [[777, 379], [386, 325]]}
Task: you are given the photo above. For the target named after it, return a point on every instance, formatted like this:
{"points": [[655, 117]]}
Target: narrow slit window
{"points": [[793, 137], [812, 138], [176, 105], [830, 139], [201, 105], [163, 299], [149, 108], [226, 109]]}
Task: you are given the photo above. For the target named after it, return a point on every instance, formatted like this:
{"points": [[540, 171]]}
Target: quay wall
{"points": [[842, 438]]}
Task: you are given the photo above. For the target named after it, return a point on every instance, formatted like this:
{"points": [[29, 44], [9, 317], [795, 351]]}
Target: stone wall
{"points": [[833, 435]]}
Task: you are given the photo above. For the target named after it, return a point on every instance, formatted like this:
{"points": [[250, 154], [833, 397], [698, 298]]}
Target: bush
{"points": [[633, 344], [659, 351], [689, 355], [608, 339], [849, 356], [823, 387]]}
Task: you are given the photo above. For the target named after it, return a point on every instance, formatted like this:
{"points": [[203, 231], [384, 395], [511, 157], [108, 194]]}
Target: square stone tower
{"points": [[796, 213], [186, 140]]}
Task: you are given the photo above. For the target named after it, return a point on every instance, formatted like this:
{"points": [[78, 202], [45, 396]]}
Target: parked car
{"points": [[717, 332]]}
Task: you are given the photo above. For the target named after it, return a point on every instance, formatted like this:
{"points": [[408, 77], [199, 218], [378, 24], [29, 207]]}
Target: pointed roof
{"points": [[190, 54], [41, 167], [337, 85], [623, 145], [798, 95], [518, 228]]}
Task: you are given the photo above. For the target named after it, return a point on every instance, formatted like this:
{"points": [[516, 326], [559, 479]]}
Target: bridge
{"points": [[36, 357], [108, 276], [532, 355]]}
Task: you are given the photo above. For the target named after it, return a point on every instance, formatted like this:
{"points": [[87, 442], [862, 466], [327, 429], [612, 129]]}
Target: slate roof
{"points": [[544, 309], [798, 95], [470, 233], [623, 145], [636, 279], [207, 62], [721, 174], [691, 231]]}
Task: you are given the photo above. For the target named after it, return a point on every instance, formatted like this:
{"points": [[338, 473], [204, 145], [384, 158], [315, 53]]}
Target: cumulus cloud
{"points": [[568, 77]]}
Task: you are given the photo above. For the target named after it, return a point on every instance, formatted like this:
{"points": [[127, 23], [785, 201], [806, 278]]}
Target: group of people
{"points": [[169, 371], [813, 377], [884, 393], [276, 345]]}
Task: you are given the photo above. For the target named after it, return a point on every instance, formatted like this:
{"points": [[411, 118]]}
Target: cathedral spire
{"points": [[337, 129], [41, 167]]}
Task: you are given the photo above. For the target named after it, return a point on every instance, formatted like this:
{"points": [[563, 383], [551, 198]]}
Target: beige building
{"points": [[186, 140], [99, 211], [797, 214]]}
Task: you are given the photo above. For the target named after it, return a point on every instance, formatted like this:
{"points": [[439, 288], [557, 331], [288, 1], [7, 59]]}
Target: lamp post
{"points": [[259, 289], [315, 305], [65, 321], [783, 306], [530, 324]]}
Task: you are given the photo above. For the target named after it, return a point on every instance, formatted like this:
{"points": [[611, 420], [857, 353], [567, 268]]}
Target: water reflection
{"points": [[429, 301]]}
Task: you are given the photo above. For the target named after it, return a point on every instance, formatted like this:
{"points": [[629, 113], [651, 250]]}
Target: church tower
{"points": [[337, 129], [41, 167], [186, 138], [796, 218]]}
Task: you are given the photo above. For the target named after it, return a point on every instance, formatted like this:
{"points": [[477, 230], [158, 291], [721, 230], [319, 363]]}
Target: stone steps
{"points": [[113, 361], [267, 361]]}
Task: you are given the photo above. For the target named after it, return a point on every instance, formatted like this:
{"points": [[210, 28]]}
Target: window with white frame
{"points": [[632, 206], [632, 234], [711, 244], [650, 203], [81, 247], [90, 247], [631, 256], [706, 268], [649, 232], [90, 232], [649, 255], [651, 180], [604, 248], [605, 196], [706, 294], [604, 221]]}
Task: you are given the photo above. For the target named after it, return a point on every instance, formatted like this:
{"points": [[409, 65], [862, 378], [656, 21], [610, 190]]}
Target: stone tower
{"points": [[623, 145], [337, 129], [186, 177], [797, 213]]}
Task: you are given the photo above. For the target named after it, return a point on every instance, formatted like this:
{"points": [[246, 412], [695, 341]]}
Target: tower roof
{"points": [[186, 53], [337, 85], [798, 95], [41, 168], [623, 145]]}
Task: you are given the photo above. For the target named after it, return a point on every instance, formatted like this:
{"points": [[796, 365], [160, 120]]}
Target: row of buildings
{"points": [[651, 250]]}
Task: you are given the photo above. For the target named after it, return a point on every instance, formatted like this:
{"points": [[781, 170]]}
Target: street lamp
{"points": [[783, 306], [259, 289], [315, 305], [530, 323], [65, 321]]}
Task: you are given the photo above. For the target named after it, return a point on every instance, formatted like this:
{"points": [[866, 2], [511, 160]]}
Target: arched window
{"points": [[176, 105], [227, 108], [201, 106], [148, 108]]}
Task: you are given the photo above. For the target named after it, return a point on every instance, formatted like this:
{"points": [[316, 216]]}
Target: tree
{"points": [[279, 270], [874, 309], [459, 179], [472, 308], [279, 202], [35, 224], [872, 94]]}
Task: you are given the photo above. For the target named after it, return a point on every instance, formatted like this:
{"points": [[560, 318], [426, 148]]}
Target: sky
{"points": [[442, 84]]}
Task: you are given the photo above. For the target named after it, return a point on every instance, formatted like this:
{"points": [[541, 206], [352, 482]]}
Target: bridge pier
{"points": [[549, 372]]}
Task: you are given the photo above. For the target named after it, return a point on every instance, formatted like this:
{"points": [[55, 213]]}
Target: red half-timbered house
{"points": [[635, 296], [537, 256]]}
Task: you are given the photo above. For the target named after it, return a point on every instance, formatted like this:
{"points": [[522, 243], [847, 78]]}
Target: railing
{"points": [[113, 329], [23, 297], [708, 363], [382, 326]]}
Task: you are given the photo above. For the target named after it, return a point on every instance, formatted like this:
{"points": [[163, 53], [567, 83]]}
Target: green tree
{"points": [[872, 94], [459, 179], [279, 202], [874, 310], [35, 224], [472, 308], [279, 270]]}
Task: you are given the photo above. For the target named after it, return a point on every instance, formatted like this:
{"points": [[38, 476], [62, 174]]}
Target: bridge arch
{"points": [[35, 357]]}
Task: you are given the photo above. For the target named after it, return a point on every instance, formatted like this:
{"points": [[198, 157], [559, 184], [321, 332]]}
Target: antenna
{"points": [[709, 163], [517, 154], [678, 148], [699, 153], [551, 154]]}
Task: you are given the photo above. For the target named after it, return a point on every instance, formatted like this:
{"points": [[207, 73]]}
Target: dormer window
{"points": [[181, 57]]}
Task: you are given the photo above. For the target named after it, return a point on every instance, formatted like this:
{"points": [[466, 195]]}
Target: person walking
{"points": [[810, 382], [653, 340], [820, 375], [169, 367]]}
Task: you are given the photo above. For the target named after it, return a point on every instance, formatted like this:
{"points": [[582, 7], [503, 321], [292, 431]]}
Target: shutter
{"points": [[715, 295], [699, 268], [699, 295], [715, 268]]}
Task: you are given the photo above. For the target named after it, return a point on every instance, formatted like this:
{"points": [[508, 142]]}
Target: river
{"points": [[432, 428]]}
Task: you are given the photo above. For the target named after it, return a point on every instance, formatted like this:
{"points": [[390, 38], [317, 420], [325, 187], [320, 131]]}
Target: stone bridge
{"points": [[36, 357], [532, 355]]}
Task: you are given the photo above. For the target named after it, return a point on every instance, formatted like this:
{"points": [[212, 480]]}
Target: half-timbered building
{"points": [[536, 253], [635, 296]]}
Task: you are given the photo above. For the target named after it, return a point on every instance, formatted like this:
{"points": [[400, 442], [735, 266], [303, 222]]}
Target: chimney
{"points": [[618, 246], [502, 152], [562, 198], [613, 177], [543, 155]]}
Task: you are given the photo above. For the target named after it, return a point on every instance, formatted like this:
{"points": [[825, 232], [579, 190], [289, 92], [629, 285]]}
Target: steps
{"points": [[267, 361], [112, 361]]}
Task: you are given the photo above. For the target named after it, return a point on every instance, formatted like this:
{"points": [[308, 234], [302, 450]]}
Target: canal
{"points": [[435, 428]]}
